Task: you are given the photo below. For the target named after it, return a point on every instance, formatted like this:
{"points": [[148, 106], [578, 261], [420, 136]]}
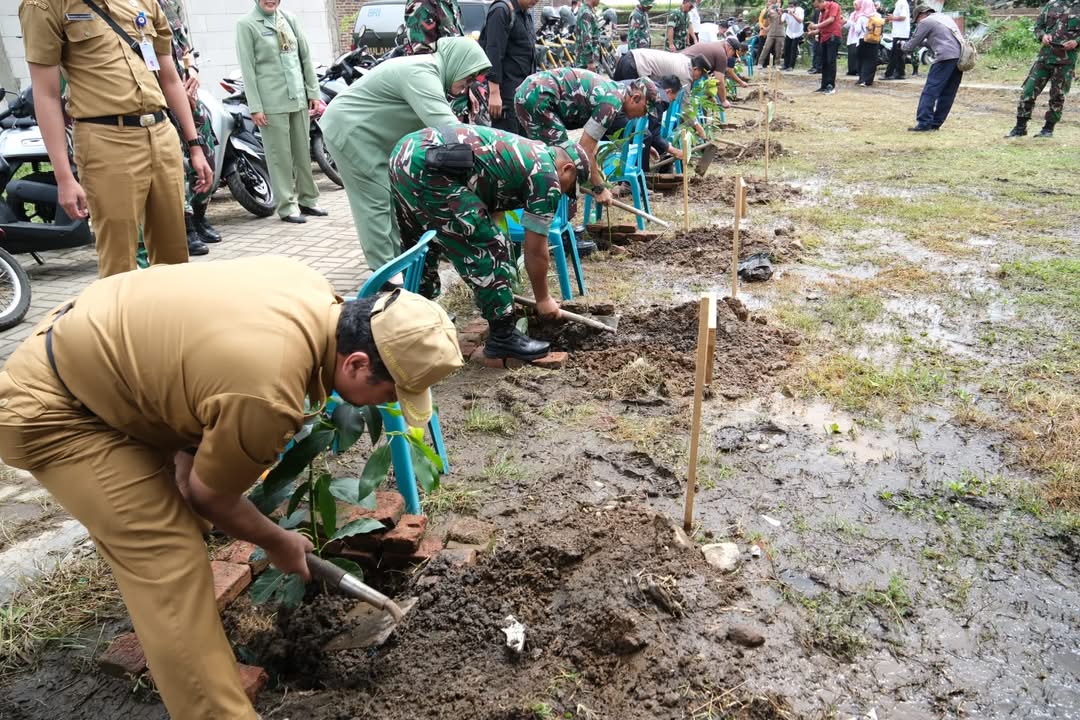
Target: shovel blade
{"points": [[706, 159], [371, 627]]}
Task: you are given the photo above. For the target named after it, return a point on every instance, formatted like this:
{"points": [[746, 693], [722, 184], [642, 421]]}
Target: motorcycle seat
{"points": [[14, 122]]}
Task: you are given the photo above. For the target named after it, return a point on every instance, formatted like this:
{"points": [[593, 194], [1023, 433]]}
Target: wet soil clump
{"points": [[708, 250], [616, 606], [712, 189], [751, 150]]}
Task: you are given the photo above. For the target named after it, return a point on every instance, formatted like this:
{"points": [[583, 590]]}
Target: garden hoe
{"points": [[372, 625], [607, 323], [708, 153]]}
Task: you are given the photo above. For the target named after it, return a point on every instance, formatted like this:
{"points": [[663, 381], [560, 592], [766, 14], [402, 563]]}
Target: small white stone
{"points": [[755, 551], [723, 556]]}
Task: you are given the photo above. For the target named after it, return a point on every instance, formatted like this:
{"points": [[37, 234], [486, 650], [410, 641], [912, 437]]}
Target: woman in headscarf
{"points": [[363, 124], [281, 87], [856, 29]]}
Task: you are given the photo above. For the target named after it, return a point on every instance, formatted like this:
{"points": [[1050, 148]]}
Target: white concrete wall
{"points": [[11, 37], [213, 31]]}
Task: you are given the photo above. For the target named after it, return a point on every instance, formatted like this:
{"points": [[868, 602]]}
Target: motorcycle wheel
{"points": [[249, 183], [14, 291], [324, 161]]}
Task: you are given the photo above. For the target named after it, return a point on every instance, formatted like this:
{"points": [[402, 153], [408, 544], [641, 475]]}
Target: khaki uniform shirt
{"points": [[228, 372], [104, 75]]}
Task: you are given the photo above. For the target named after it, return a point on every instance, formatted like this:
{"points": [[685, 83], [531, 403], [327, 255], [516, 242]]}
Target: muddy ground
{"points": [[862, 446]]}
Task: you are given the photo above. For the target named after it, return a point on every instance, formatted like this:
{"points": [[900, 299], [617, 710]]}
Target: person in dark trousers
{"points": [[815, 45], [509, 39], [829, 27], [793, 34], [900, 17], [940, 34]]}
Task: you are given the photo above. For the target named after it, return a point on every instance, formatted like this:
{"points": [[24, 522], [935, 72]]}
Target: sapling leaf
{"points": [[369, 502], [256, 556], [358, 527], [273, 490], [353, 490], [269, 582], [349, 422], [349, 566], [426, 474], [427, 451], [294, 520], [297, 497], [292, 592], [267, 500], [391, 410], [327, 506], [374, 423], [522, 325], [377, 466]]}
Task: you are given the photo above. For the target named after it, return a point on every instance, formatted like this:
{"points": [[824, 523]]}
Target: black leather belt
{"points": [[127, 120], [49, 348]]}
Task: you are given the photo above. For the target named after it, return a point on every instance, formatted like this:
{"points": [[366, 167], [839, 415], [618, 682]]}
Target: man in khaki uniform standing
{"points": [[132, 379], [127, 153]]}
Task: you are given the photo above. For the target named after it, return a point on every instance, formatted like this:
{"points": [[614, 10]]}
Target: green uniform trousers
{"points": [[287, 139], [367, 185], [123, 491], [1059, 75]]}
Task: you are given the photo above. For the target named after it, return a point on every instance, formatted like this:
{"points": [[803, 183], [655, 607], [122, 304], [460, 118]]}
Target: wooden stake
{"points": [[767, 125], [686, 181], [740, 202], [712, 339], [701, 371]]}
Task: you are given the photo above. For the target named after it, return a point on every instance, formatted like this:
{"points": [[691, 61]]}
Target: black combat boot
{"points": [[1019, 130], [206, 232], [506, 341], [1047, 130], [195, 244]]}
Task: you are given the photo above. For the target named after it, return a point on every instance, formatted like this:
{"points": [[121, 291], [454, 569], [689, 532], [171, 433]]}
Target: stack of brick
{"points": [[403, 542]]}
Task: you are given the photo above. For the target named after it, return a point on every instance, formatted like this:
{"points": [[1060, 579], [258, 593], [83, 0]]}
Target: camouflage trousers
{"points": [[465, 232], [538, 119], [1059, 75], [192, 199]]}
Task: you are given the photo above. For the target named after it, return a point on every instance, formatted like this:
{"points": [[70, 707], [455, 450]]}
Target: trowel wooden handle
{"points": [[667, 161], [574, 317], [640, 213]]}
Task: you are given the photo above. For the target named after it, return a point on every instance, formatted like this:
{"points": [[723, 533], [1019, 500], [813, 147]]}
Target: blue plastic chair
{"points": [[411, 264], [562, 240], [628, 169]]}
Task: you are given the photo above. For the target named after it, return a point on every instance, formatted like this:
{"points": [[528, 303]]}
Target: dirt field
{"points": [[892, 441]]}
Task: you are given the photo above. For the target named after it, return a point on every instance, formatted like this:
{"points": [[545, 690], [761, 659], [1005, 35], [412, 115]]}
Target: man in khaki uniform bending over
{"points": [[130, 164], [116, 388]]}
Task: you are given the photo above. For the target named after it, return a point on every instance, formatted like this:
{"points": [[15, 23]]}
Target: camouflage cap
{"points": [[580, 157], [646, 3]]}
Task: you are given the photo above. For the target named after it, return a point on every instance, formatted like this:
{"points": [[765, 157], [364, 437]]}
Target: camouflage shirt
{"points": [[1061, 21], [579, 97], [587, 37], [680, 21], [181, 40], [638, 35], [429, 20], [510, 172]]}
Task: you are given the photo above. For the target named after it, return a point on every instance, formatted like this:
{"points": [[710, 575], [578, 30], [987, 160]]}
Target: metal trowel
{"points": [[374, 622]]}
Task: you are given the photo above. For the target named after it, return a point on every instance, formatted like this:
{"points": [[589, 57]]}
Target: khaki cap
{"points": [[419, 346]]}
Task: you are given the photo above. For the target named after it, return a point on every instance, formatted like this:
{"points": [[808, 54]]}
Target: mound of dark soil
{"points": [[617, 617], [753, 149], [712, 189], [748, 354], [708, 250]]}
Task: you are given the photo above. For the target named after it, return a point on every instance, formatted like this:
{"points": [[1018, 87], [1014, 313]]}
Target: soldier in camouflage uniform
{"points": [[1058, 29], [199, 230], [638, 36], [428, 20], [679, 32], [508, 173], [587, 36], [551, 102]]}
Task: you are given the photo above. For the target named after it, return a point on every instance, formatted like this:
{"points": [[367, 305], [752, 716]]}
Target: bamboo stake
{"points": [[686, 181], [768, 124], [701, 367], [712, 339], [739, 209]]}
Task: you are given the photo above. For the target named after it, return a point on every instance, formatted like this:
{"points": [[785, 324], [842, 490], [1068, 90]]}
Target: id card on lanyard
{"points": [[146, 48]]}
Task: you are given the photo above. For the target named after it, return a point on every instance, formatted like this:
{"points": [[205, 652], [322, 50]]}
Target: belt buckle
{"points": [[147, 120]]}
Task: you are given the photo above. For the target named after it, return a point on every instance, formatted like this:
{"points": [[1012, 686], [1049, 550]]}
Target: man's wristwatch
{"points": [[193, 143]]}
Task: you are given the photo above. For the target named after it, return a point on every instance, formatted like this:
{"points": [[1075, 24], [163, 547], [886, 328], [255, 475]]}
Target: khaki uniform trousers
{"points": [[287, 140], [124, 493], [133, 177]]}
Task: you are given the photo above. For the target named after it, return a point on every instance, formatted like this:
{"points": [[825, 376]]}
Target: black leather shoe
{"points": [[585, 247], [1046, 132], [313, 211], [195, 245], [920, 128], [206, 232], [298, 219], [506, 341]]}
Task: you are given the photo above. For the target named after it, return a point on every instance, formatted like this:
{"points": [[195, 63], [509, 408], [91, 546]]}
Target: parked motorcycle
{"points": [[240, 153], [31, 219]]}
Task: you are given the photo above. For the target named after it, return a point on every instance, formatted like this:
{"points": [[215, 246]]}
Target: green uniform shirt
{"points": [[587, 37], [429, 20], [1061, 21], [681, 22], [276, 63], [638, 34], [579, 97]]}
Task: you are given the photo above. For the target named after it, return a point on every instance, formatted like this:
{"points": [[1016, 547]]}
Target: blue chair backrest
{"points": [[638, 132], [672, 116], [410, 263]]}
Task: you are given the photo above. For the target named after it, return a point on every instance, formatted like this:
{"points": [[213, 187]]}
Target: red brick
{"points": [[239, 552], [551, 361], [230, 579], [476, 327], [469, 530], [367, 559], [459, 556], [429, 548], [406, 537], [467, 347], [499, 363], [389, 507], [124, 656], [252, 679]]}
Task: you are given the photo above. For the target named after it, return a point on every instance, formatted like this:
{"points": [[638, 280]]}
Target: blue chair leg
{"points": [[555, 242], [402, 459], [437, 440], [644, 192], [636, 192], [571, 238]]}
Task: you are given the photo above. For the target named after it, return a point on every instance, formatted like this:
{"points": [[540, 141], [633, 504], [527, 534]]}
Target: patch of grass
{"points": [[479, 418], [861, 386], [570, 413], [849, 312], [637, 380], [458, 300], [1053, 284], [541, 711], [796, 316], [832, 625], [453, 497], [894, 599], [503, 469], [57, 609]]}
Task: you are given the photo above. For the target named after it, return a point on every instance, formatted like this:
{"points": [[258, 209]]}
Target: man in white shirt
{"points": [[793, 34], [900, 17], [658, 64]]}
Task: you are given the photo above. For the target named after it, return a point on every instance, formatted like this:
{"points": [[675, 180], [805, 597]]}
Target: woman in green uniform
{"points": [[280, 83], [362, 125]]}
